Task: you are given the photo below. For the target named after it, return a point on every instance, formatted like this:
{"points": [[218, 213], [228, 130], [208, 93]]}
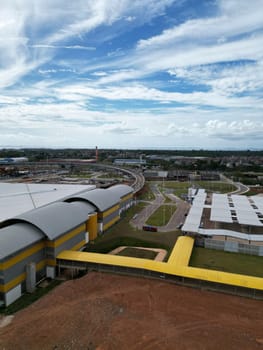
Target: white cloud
{"points": [[236, 19], [227, 80], [221, 101], [29, 29], [82, 92], [70, 47], [235, 129]]}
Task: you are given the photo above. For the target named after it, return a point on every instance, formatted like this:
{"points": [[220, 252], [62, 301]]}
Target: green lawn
{"points": [[229, 262], [180, 188], [162, 215], [138, 253], [215, 186]]}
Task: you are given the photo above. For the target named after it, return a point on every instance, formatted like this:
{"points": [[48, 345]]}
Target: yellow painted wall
{"points": [[110, 223], [92, 226], [56, 243], [4, 288], [110, 211], [79, 245], [21, 256], [125, 198]]}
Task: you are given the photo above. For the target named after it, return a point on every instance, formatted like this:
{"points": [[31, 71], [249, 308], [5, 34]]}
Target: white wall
{"points": [[51, 272], [12, 295]]}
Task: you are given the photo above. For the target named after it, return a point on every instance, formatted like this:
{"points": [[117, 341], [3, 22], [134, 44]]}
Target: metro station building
{"points": [[37, 222]]}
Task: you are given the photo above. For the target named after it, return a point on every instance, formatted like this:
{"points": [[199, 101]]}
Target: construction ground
{"points": [[104, 311]]}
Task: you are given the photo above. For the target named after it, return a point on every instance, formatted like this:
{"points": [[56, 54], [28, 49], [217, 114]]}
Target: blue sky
{"points": [[131, 73]]}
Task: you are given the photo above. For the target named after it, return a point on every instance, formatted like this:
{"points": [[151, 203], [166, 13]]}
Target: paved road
{"points": [[142, 217], [241, 188], [177, 218]]}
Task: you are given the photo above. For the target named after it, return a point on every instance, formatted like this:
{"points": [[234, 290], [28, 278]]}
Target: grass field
{"points": [[162, 215], [228, 262], [180, 188], [138, 253]]}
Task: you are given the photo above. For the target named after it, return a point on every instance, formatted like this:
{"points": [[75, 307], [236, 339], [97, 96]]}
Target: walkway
{"points": [[177, 265]]}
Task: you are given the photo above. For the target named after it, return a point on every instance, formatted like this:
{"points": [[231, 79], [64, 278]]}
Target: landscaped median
{"points": [[162, 215]]}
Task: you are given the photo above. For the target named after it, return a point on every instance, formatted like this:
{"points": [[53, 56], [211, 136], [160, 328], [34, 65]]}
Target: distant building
{"points": [[13, 160], [151, 174], [130, 161]]}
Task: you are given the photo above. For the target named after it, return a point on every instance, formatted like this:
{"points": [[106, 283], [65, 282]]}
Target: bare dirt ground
{"points": [[104, 311]]}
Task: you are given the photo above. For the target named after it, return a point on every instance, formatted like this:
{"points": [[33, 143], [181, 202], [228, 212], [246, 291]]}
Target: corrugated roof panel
{"points": [[258, 200], [193, 218], [101, 198], [120, 190]]}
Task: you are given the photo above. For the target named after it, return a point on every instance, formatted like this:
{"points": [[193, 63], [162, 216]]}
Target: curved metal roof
{"points": [[18, 198], [101, 198], [56, 218], [83, 205], [120, 190], [18, 236]]}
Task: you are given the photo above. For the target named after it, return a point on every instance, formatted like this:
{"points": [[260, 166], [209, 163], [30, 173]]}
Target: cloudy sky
{"points": [[131, 73]]}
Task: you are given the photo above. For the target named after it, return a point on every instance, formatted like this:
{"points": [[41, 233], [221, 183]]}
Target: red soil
{"points": [[103, 311]]}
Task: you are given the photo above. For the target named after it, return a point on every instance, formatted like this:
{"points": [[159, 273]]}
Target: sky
{"points": [[170, 74]]}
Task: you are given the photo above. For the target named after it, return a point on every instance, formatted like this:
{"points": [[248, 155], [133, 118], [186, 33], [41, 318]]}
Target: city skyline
{"points": [[131, 74]]}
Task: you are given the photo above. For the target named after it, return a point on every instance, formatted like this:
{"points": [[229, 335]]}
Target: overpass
{"points": [[176, 269]]}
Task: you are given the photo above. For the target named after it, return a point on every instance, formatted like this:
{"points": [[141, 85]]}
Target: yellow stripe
{"points": [[110, 223], [4, 288], [51, 262], [5, 265], [41, 265], [110, 211], [79, 245], [127, 197], [56, 243]]}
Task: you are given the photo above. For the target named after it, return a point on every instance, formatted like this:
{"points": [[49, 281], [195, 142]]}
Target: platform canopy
{"points": [[236, 208]]}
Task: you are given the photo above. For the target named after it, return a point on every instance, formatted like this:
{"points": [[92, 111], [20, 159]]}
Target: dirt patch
{"points": [[5, 320], [104, 311]]}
